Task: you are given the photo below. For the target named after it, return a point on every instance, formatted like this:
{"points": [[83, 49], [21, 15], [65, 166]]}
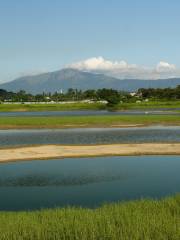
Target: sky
{"points": [[132, 38]]}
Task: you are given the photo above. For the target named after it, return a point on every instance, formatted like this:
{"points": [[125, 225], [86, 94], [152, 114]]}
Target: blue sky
{"points": [[45, 35]]}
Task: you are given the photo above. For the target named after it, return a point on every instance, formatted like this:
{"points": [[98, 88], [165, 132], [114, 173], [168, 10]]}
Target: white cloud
{"points": [[100, 63], [124, 70], [165, 67]]}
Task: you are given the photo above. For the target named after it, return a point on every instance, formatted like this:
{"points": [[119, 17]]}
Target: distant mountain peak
{"points": [[74, 78]]}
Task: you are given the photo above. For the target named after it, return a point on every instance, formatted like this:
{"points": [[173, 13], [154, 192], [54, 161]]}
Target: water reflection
{"points": [[86, 181], [90, 136], [44, 181], [156, 111]]}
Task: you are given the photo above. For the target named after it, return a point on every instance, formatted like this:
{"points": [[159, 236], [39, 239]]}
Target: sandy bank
{"points": [[60, 151]]}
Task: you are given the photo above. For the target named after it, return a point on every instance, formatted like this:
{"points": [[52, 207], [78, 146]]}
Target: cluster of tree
{"points": [[111, 96], [158, 93]]}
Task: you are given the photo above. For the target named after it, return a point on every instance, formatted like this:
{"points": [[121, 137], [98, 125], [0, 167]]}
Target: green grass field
{"points": [[51, 107], [87, 121], [150, 105], [87, 106], [136, 220]]}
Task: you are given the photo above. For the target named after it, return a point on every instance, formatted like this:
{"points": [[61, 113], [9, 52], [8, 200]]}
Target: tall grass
{"points": [[136, 220]]}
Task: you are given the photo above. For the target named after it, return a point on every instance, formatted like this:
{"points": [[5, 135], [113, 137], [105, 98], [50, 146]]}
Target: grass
{"points": [[87, 121], [135, 220], [150, 105], [87, 106], [51, 107]]}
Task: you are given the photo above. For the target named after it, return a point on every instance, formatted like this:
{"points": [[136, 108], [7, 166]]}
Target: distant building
{"points": [[133, 94]]}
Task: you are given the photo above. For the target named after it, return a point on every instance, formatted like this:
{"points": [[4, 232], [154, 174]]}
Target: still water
{"points": [[90, 136], [86, 182], [160, 111]]}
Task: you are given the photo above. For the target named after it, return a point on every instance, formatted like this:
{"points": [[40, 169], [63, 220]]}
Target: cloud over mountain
{"points": [[100, 63], [74, 78], [123, 70], [165, 67]]}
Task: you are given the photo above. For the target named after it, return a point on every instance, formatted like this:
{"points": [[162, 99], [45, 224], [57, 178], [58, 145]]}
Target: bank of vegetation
{"points": [[99, 99], [88, 121], [150, 105], [136, 220]]}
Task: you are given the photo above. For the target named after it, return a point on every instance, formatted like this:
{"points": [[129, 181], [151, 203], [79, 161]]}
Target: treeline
{"points": [[158, 93], [110, 95]]}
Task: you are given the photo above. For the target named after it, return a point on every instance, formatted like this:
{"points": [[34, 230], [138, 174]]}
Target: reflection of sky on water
{"points": [[86, 181], [156, 111], [89, 136]]}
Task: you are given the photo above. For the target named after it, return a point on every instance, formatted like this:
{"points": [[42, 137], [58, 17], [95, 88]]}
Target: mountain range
{"points": [[72, 78]]}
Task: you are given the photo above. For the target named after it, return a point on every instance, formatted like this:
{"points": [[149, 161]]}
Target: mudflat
{"points": [[62, 151]]}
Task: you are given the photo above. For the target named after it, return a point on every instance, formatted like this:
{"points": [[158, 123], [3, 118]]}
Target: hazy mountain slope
{"points": [[70, 78]]}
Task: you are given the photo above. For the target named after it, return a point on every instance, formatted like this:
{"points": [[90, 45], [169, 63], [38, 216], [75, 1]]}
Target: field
{"points": [[87, 106], [51, 107], [87, 121], [150, 105], [136, 220]]}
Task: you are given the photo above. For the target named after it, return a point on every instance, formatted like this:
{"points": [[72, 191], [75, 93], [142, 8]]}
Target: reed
{"points": [[135, 220]]}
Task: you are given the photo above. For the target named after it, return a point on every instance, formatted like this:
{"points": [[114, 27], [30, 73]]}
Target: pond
{"points": [[86, 182], [90, 136]]}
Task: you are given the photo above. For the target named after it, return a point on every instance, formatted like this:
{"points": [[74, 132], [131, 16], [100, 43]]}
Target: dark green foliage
{"points": [[158, 93], [111, 96]]}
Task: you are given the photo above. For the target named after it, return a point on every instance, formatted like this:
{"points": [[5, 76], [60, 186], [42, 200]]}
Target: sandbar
{"points": [[64, 151]]}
